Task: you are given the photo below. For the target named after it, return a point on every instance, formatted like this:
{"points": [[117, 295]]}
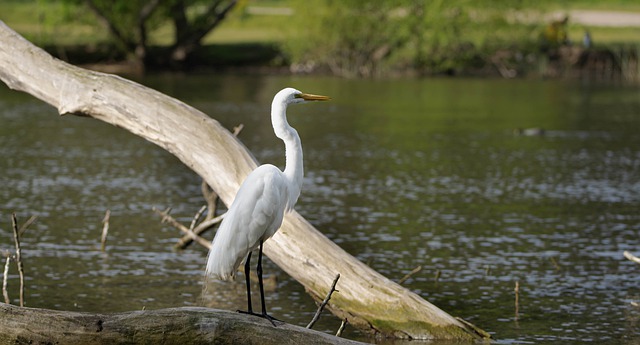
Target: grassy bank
{"points": [[253, 35], [51, 24]]}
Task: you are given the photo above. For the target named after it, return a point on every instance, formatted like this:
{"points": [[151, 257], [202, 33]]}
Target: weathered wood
{"points": [[366, 298], [164, 326], [631, 257]]}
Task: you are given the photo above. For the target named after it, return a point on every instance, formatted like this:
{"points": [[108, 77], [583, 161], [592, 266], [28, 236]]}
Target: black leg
{"points": [[259, 271], [247, 271], [247, 277]]}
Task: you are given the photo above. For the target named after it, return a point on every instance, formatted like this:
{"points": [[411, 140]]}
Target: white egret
{"points": [[261, 202]]}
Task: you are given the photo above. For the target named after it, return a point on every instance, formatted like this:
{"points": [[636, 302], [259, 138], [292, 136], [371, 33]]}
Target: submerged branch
{"points": [[324, 302], [27, 224], [408, 275], [168, 219], [16, 238], [343, 325], [105, 230], [5, 278], [196, 217], [631, 257]]}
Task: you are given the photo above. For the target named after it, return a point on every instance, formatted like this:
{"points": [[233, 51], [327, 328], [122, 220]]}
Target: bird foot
{"points": [[262, 315]]}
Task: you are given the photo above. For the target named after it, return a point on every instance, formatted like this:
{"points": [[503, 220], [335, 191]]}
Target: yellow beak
{"points": [[310, 97]]}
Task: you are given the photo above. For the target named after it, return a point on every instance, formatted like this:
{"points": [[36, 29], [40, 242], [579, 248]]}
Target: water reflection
{"points": [[399, 173]]}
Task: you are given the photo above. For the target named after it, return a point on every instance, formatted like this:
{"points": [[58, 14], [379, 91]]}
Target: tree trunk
{"points": [[146, 11], [120, 37], [164, 326], [366, 298], [189, 35]]}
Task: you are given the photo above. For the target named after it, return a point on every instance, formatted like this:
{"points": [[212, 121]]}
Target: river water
{"points": [[400, 173]]}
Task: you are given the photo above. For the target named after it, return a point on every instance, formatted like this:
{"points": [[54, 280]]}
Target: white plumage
{"points": [[261, 202], [256, 214]]}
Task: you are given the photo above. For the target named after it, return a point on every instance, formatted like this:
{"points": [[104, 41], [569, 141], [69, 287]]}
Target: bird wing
{"points": [[255, 214]]}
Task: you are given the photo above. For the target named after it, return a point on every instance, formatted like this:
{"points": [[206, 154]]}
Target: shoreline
{"points": [[605, 63]]}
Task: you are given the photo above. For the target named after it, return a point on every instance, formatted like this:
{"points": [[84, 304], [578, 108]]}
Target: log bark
{"points": [[366, 298], [164, 326]]}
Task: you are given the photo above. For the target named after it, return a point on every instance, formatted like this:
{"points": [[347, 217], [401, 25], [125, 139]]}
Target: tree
{"points": [[189, 32], [364, 38], [130, 22], [351, 37]]}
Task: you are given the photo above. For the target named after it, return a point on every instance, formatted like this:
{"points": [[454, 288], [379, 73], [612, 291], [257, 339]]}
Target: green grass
{"points": [[51, 23], [48, 23], [251, 28], [606, 35], [237, 28]]}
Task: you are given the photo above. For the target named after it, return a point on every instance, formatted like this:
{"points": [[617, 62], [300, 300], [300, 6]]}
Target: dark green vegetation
{"points": [[360, 38], [348, 38]]}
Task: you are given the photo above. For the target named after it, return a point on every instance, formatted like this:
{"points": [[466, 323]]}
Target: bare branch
{"points": [[211, 198], [342, 327], [105, 230], [199, 229], [27, 224], [196, 217], [631, 257], [166, 218], [516, 289], [408, 275], [4, 281], [237, 129], [324, 303], [16, 238]]}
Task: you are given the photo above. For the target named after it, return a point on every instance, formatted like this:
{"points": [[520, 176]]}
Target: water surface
{"points": [[400, 173]]}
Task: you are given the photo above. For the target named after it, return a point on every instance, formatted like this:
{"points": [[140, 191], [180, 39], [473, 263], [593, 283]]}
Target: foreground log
{"points": [[164, 326], [366, 298]]}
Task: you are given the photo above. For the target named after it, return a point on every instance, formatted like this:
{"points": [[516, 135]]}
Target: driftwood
{"points": [[164, 326], [212, 206], [366, 299], [631, 257]]}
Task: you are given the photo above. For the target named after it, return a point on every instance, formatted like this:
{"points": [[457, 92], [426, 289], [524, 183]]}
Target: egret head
{"points": [[291, 95]]}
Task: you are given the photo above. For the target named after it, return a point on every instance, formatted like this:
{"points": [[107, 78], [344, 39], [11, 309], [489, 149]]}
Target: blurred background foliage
{"points": [[349, 38], [365, 38], [362, 38]]}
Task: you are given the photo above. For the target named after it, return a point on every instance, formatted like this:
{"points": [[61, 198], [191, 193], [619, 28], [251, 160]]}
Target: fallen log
{"points": [[190, 325], [367, 299]]}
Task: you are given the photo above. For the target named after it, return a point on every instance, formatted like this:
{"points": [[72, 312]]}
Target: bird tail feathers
{"points": [[225, 256]]}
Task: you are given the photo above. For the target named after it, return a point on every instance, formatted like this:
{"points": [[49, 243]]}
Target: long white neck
{"points": [[293, 170]]}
